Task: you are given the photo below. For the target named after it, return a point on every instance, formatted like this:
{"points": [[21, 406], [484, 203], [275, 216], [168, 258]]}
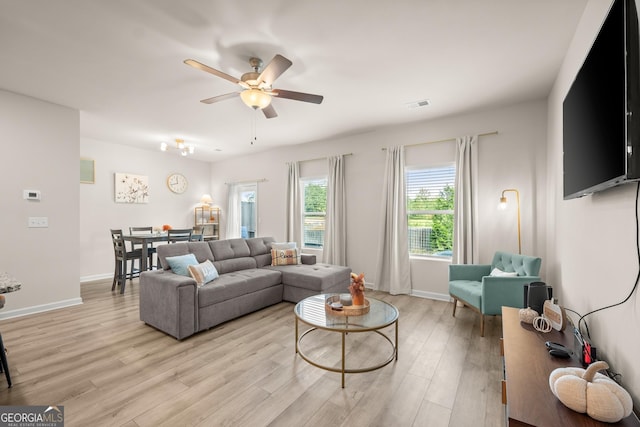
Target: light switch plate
{"points": [[38, 222]]}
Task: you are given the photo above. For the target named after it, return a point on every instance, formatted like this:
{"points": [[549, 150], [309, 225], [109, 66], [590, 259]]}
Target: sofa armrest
{"points": [[468, 271], [308, 259], [503, 291], [168, 302]]}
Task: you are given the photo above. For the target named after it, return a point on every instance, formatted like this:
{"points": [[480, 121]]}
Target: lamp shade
{"points": [[503, 203], [255, 98], [206, 199]]}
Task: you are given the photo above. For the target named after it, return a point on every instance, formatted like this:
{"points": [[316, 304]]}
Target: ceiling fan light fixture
{"points": [[257, 85], [255, 98]]}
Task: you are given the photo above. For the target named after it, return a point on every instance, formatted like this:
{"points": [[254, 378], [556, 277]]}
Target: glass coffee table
{"points": [[312, 311]]}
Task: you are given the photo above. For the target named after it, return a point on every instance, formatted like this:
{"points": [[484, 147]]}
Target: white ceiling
{"points": [[120, 62]]}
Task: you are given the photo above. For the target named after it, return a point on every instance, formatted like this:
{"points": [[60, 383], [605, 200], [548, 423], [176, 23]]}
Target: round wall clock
{"points": [[177, 183]]}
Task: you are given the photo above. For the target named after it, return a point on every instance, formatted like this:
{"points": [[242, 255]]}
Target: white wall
{"points": [[591, 241], [40, 152], [99, 212], [513, 158]]}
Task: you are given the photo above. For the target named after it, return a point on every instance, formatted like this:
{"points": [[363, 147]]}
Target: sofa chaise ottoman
{"points": [[247, 282]]}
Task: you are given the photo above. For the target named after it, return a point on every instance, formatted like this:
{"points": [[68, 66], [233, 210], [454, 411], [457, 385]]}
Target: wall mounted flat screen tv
{"points": [[601, 114]]}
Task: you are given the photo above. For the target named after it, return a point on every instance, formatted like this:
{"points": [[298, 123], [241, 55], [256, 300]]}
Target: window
{"points": [[314, 195], [430, 194], [248, 211], [243, 210]]}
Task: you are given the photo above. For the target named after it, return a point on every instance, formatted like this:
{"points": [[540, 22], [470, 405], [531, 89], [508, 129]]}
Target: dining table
{"points": [[145, 240]]}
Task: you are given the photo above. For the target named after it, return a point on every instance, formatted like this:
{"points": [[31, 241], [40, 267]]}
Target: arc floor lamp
{"points": [[503, 205]]}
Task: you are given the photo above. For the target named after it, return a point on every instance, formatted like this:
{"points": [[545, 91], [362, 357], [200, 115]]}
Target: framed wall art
{"points": [[131, 188], [87, 171]]}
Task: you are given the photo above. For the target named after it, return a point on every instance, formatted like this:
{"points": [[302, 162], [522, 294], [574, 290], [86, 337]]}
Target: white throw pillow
{"points": [[283, 246], [496, 272]]}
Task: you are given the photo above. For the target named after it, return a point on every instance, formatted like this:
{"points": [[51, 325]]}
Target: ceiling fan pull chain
{"points": [[254, 138]]}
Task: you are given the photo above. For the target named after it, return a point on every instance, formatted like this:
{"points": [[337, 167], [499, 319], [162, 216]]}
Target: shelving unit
{"points": [[207, 222]]}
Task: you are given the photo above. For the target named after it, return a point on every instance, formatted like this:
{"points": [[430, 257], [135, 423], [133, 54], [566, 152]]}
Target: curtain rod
{"points": [[495, 132], [247, 181], [322, 158]]}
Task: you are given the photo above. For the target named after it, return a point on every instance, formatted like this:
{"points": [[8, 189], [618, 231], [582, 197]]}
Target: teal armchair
{"points": [[472, 284]]}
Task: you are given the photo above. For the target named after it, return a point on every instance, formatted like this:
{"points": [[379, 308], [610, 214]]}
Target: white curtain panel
{"points": [[293, 217], [393, 274], [233, 212], [335, 233], [465, 213]]}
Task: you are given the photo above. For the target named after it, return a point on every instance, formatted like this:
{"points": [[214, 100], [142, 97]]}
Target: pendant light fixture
{"points": [[185, 149]]}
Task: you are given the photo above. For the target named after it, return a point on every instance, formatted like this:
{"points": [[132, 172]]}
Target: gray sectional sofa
{"points": [[248, 282]]}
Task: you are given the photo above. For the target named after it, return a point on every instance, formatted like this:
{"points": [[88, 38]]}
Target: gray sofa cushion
{"points": [[238, 283], [226, 249], [260, 245], [260, 248], [234, 264], [316, 277]]}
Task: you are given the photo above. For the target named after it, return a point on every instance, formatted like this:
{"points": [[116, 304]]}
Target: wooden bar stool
{"points": [[4, 365], [7, 284]]}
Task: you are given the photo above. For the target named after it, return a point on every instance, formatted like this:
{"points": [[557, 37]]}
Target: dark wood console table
{"points": [[527, 365]]}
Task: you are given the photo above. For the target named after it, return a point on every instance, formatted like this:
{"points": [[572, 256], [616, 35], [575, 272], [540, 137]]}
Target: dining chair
{"points": [[197, 235], [150, 250], [179, 235], [122, 258]]}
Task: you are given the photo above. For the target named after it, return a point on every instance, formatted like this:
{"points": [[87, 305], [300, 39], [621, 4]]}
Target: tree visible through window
{"points": [[314, 212], [430, 196]]}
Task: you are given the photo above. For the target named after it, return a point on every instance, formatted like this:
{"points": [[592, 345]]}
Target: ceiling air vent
{"points": [[418, 104]]}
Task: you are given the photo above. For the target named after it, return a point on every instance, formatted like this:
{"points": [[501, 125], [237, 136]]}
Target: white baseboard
{"points": [[84, 279], [40, 308], [431, 295], [419, 294]]}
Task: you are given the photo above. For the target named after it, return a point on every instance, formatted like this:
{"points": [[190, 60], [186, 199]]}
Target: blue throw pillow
{"points": [[180, 264]]}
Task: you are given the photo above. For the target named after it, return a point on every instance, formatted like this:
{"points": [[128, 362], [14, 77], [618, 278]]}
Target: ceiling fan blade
{"points": [[298, 96], [200, 66], [274, 69], [269, 112], [220, 98]]}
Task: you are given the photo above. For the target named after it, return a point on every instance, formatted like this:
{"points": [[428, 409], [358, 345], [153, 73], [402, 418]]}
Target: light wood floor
{"points": [[108, 368]]}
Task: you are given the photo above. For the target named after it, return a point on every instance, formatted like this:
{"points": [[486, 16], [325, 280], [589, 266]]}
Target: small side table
{"points": [[7, 284]]}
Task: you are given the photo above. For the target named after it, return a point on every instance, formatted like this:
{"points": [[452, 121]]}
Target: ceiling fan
{"points": [[257, 85]]}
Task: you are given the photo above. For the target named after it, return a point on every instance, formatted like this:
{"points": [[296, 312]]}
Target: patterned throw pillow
{"points": [[203, 273], [285, 256]]}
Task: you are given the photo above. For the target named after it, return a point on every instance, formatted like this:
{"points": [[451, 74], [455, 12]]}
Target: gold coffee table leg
{"points": [[343, 362], [396, 339], [296, 335]]}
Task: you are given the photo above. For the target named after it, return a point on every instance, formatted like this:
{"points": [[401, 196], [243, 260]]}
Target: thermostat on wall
{"points": [[31, 194]]}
